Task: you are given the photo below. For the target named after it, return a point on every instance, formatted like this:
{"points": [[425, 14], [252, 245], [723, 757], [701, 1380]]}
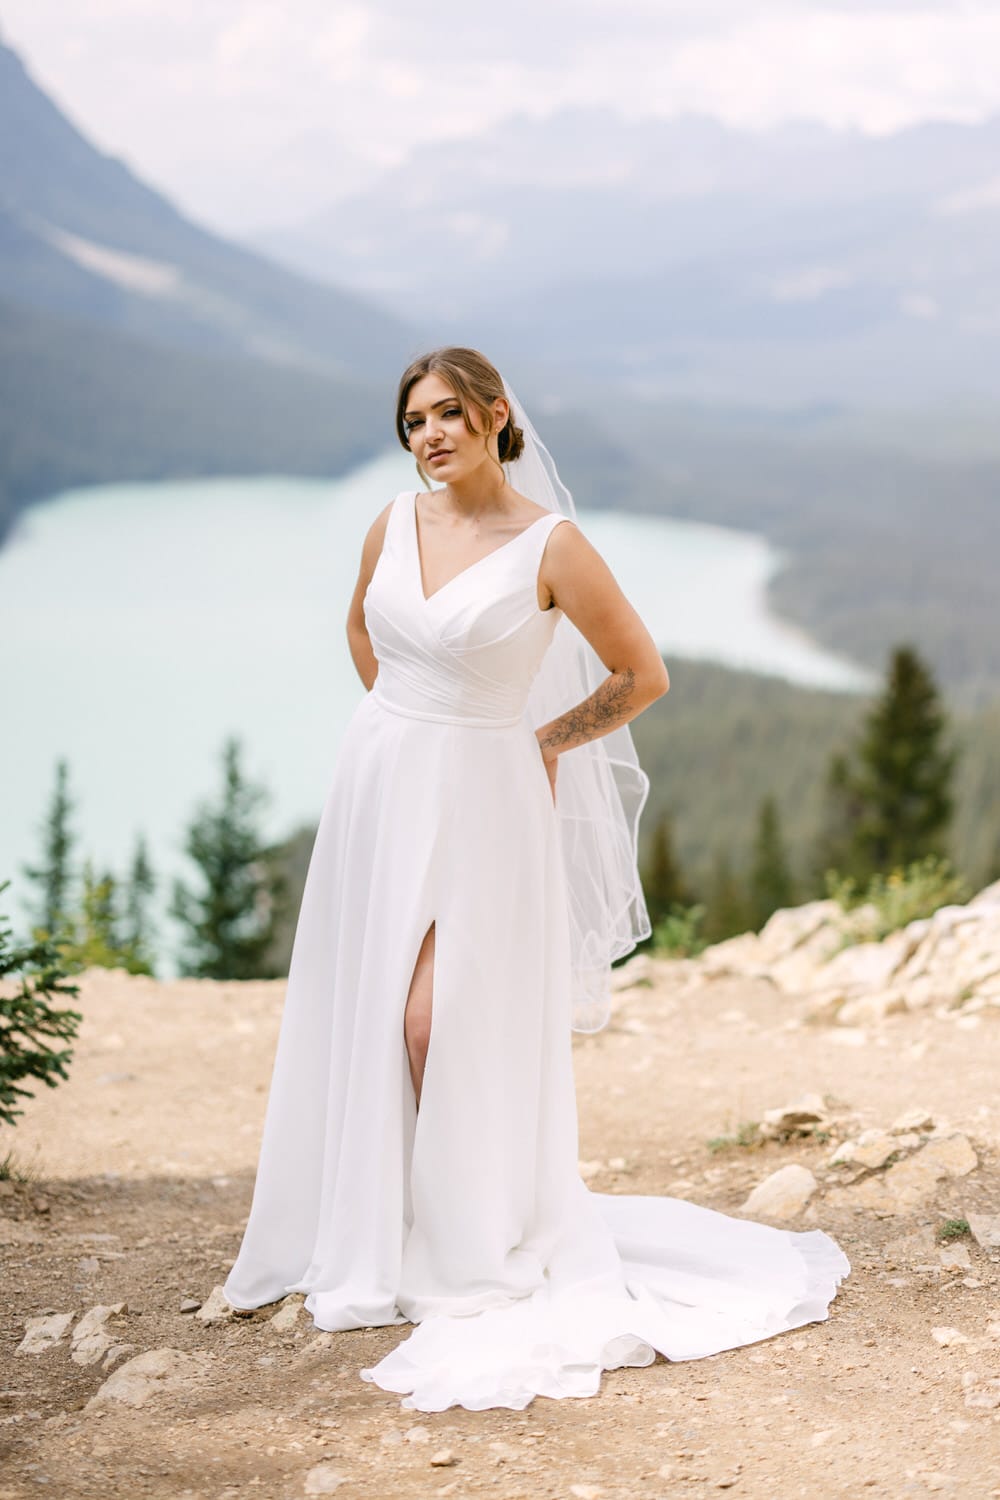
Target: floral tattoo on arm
{"points": [[608, 706]]}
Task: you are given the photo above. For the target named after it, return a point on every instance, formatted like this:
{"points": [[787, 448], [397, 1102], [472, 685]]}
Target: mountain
{"points": [[682, 256], [81, 236]]}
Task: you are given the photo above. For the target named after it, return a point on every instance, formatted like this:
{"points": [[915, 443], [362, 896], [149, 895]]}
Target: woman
{"points": [[472, 878]]}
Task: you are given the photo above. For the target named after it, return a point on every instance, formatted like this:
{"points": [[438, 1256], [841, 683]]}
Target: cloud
{"points": [[254, 111]]}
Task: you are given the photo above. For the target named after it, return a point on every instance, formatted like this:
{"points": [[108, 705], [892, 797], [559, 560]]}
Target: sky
{"points": [[251, 114]]}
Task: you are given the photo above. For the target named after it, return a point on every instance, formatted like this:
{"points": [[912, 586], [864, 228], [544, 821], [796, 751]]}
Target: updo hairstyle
{"points": [[476, 383]]}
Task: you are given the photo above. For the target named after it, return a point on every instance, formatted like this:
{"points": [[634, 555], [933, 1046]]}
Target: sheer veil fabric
{"points": [[601, 788]]}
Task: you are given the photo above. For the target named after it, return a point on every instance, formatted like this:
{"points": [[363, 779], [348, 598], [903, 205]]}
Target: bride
{"points": [[473, 877]]}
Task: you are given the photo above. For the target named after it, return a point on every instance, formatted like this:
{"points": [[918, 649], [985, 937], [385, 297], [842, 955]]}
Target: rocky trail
{"points": [[783, 1076]]}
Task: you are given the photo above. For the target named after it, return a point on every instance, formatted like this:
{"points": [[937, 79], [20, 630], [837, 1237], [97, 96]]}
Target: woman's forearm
{"points": [[364, 658], [619, 698]]}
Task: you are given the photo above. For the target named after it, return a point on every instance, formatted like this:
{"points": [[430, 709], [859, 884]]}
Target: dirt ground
{"points": [[133, 1180]]}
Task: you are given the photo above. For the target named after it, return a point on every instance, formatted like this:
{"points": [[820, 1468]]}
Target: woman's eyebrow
{"points": [[434, 405]]}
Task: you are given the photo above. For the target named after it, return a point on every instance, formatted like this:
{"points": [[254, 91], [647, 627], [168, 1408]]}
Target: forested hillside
{"points": [[77, 409], [721, 740]]}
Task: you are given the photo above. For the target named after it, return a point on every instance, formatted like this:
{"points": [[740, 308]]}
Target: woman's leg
{"points": [[417, 1015]]}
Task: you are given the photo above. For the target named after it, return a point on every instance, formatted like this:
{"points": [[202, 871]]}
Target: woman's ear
{"points": [[501, 412]]}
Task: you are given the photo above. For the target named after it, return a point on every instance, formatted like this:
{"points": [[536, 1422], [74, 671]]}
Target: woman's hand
{"points": [[550, 759]]}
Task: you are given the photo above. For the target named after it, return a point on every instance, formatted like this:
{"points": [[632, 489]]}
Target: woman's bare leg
{"points": [[417, 1016]]}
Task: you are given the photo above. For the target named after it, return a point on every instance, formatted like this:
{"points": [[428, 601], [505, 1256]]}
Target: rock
{"points": [[216, 1309], [909, 1183], [867, 966], [443, 1459], [150, 1374], [790, 926], [870, 1010], [586, 1491], [955, 1258], [985, 1228], [823, 1008], [982, 1395], [803, 970], [912, 1119], [287, 1315], [871, 1149], [44, 1333], [417, 1434], [323, 1479], [736, 955], [783, 1195], [801, 1117], [91, 1339], [948, 1337], [190, 1305], [953, 1153]]}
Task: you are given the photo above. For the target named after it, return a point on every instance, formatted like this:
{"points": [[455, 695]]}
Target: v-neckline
{"points": [[429, 598]]}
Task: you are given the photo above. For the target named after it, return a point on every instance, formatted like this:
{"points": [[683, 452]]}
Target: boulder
{"points": [[872, 1010], [287, 1315], [91, 1339], [217, 1309], [871, 1149], [44, 1333], [908, 1184], [985, 1228], [783, 1195], [800, 1117], [790, 926], [151, 1374]]}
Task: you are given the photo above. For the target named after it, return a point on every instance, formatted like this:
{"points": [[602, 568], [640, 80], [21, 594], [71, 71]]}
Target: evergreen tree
{"points": [[663, 884], [904, 776], [95, 942], [54, 876], [31, 976], [229, 924], [137, 938], [770, 885], [726, 911]]}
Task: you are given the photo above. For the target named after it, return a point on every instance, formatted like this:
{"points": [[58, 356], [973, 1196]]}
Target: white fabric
{"points": [[602, 788], [468, 1217]]}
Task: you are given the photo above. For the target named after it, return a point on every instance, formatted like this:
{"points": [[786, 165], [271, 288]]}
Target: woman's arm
{"points": [[357, 631], [574, 574]]}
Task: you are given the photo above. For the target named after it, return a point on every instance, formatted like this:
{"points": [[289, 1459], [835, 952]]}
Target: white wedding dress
{"points": [[468, 1217]]}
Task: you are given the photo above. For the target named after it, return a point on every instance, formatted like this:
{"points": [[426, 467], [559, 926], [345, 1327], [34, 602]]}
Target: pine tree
{"points": [[726, 913], [32, 975], [663, 884], [770, 884], [229, 924], [137, 936], [904, 776], [55, 875], [95, 943]]}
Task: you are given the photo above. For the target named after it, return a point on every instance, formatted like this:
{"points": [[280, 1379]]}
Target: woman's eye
{"points": [[409, 426], [453, 411]]}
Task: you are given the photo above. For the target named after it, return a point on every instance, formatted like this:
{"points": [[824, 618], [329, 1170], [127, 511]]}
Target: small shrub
{"points": [[747, 1135], [953, 1229], [901, 897], [678, 934]]}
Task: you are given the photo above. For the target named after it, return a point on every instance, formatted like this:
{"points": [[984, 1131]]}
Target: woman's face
{"points": [[439, 440]]}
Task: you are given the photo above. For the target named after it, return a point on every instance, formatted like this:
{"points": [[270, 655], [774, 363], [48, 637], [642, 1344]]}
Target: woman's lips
{"points": [[436, 458]]}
